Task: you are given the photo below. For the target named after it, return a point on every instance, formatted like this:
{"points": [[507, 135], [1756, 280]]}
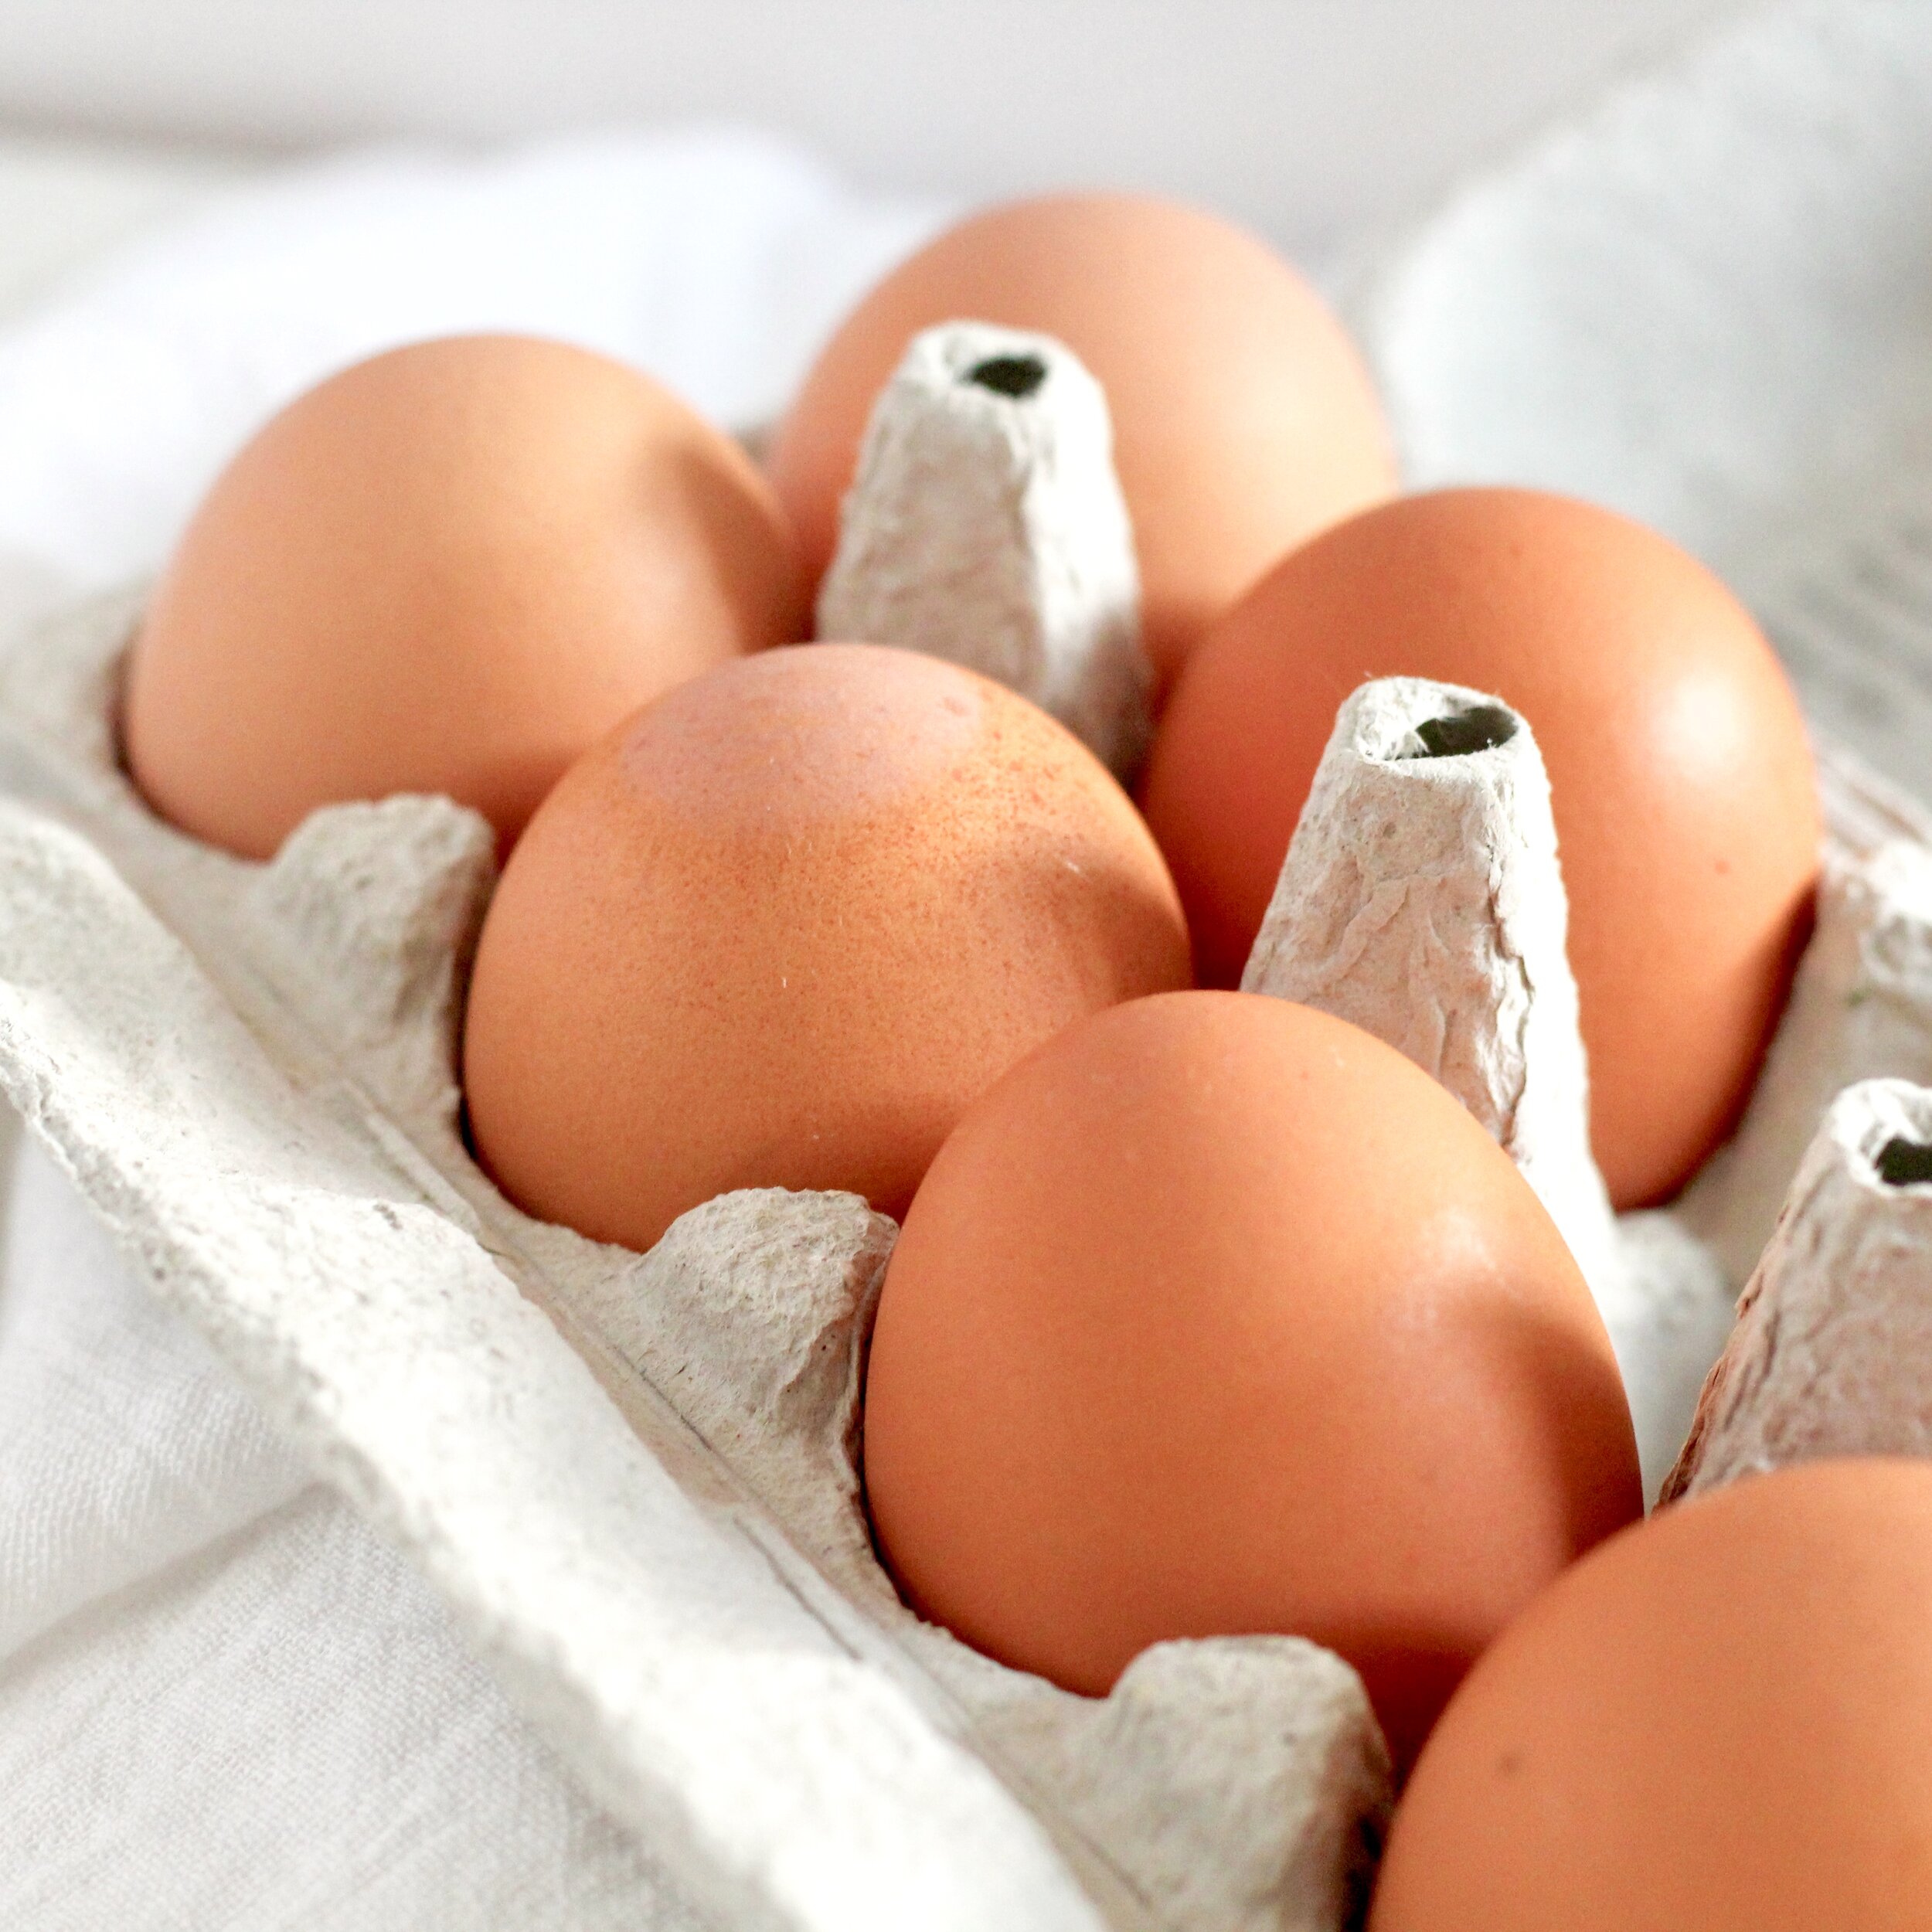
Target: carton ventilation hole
{"points": [[1015, 375], [1481, 728], [1902, 1163]]}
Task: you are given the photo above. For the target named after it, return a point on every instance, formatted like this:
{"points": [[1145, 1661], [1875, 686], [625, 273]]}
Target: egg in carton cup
{"points": [[636, 1477]]}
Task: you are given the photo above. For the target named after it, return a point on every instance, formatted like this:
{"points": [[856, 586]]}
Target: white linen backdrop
{"points": [[224, 1703]]}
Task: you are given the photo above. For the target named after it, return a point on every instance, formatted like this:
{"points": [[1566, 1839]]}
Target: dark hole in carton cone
{"points": [[1481, 728], [1902, 1162], [1015, 375]]}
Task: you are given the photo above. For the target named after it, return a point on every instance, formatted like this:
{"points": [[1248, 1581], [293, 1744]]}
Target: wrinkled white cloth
{"points": [[226, 1705]]}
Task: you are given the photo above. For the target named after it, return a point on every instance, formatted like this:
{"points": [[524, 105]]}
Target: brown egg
{"points": [[1722, 1721], [1244, 420], [782, 927], [1686, 803], [1218, 1316], [447, 569]]}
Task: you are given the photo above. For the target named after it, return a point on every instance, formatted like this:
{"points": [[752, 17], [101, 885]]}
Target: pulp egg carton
{"points": [[635, 1477]]}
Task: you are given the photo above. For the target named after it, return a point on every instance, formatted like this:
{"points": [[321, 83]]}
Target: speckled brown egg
{"points": [[1686, 799], [1243, 420], [1720, 1720], [1218, 1316], [782, 927], [449, 569]]}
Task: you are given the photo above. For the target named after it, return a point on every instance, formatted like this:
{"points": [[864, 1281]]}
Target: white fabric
{"points": [[224, 1701], [224, 1704], [126, 1445]]}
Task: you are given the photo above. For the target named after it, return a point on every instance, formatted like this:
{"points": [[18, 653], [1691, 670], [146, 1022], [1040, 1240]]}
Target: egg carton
{"points": [[634, 1477]]}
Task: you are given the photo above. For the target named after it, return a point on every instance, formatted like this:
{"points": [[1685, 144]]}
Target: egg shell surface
{"points": [[449, 569], [782, 927], [1217, 1316], [1688, 821], [1721, 1720]]}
